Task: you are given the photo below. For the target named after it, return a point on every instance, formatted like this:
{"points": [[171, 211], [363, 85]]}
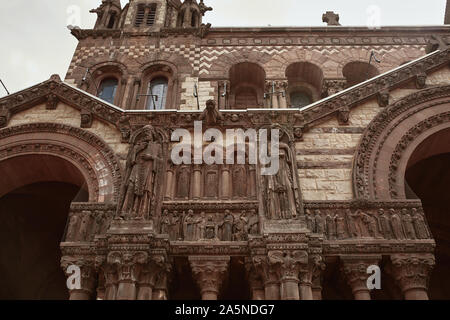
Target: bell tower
{"points": [[191, 13], [150, 15], [108, 14]]}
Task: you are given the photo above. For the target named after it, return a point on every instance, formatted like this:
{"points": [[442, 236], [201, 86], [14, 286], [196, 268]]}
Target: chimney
{"points": [[447, 13]]}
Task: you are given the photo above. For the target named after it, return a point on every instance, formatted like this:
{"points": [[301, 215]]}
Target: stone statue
{"points": [[280, 197], [183, 183], [142, 166], [420, 225], [211, 228], [362, 222], [84, 227], [310, 221], [385, 224], [227, 226], [253, 223], [408, 225], [165, 222], [240, 228], [320, 222], [189, 226], [372, 225], [331, 227], [200, 224], [352, 224], [174, 226], [72, 228], [396, 223], [340, 227], [239, 181]]}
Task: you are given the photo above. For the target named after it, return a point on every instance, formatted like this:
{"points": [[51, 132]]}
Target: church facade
{"points": [[362, 118]]}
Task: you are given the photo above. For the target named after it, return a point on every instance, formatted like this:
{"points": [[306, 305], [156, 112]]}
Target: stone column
{"points": [[87, 278], [282, 87], [226, 182], [170, 173], [255, 281], [129, 266], [355, 270], [224, 93], [133, 103], [209, 272], [252, 181], [197, 182], [412, 273], [110, 283]]}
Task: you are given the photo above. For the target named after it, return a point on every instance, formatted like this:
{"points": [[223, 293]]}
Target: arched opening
{"points": [[108, 89], [35, 197], [157, 93], [304, 84], [247, 85], [194, 19], [180, 19], [357, 71], [428, 179], [112, 20]]}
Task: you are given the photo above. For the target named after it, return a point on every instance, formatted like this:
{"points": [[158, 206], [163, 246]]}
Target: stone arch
{"points": [[87, 153], [392, 137], [221, 66]]}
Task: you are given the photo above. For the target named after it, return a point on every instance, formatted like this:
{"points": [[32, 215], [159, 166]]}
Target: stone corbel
{"points": [[125, 128], [383, 98], [86, 119], [343, 116], [4, 117], [86, 278], [412, 273], [52, 102], [421, 80], [355, 270], [209, 272]]}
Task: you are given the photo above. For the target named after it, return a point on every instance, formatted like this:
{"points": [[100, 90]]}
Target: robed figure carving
{"points": [[282, 198], [143, 164]]}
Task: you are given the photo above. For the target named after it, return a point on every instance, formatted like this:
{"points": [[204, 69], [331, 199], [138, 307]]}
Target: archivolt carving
{"points": [[369, 152], [88, 162]]}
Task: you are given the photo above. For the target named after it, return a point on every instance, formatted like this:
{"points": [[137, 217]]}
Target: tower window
{"points": [[112, 20], [151, 17], [157, 91], [107, 90], [139, 15]]}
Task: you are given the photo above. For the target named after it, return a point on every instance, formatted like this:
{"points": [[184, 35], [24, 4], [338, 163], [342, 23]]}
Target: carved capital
{"points": [[88, 276], [355, 270], [128, 264], [412, 271], [288, 263], [209, 272]]}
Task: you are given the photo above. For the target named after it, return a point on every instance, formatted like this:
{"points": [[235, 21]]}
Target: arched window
{"points": [[112, 20], [357, 71], [107, 89], [194, 19], [139, 15], [151, 15], [157, 94], [300, 99]]}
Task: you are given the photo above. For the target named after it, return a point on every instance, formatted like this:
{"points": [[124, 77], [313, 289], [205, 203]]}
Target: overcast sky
{"points": [[36, 43]]}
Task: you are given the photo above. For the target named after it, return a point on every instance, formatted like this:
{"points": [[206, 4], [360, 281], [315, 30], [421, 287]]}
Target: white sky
{"points": [[36, 43]]}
